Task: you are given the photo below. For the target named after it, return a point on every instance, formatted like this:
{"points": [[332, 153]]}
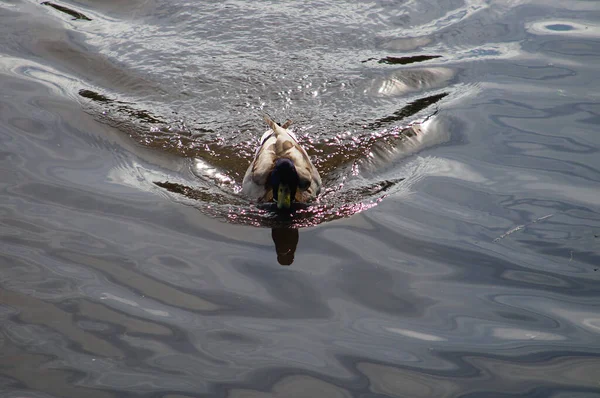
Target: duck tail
{"points": [[275, 127]]}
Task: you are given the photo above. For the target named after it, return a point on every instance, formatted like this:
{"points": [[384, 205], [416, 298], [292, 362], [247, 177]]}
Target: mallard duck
{"points": [[281, 170]]}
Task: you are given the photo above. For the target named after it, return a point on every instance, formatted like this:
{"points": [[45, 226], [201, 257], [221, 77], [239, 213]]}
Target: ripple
{"points": [[410, 80], [131, 264], [415, 335], [564, 28], [346, 193]]}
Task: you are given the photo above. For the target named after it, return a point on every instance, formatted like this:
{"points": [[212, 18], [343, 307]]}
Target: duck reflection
{"points": [[286, 240]]}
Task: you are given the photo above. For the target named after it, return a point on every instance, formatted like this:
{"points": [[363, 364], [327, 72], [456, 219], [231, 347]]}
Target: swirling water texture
{"points": [[477, 276]]}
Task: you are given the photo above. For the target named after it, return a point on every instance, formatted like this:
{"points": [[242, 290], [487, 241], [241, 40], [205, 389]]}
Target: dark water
{"points": [[455, 250]]}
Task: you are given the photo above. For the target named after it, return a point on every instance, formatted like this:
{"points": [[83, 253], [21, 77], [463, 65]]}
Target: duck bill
{"points": [[284, 199]]}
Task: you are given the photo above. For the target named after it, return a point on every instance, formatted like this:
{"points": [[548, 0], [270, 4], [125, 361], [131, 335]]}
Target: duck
{"points": [[281, 170]]}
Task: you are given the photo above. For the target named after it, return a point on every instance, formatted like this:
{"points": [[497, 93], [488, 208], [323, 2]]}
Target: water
{"points": [[455, 250]]}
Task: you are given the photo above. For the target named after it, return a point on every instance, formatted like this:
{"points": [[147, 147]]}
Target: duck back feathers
{"points": [[276, 143]]}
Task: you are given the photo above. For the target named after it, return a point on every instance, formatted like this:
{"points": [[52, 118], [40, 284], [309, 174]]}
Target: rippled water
{"points": [[455, 250]]}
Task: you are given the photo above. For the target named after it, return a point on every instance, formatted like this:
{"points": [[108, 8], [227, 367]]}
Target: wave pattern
{"points": [[453, 253]]}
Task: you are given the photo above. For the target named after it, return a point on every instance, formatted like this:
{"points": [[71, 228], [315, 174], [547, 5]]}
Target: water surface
{"points": [[454, 251]]}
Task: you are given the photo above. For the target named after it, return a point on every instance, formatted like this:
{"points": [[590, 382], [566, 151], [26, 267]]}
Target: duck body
{"points": [[281, 170]]}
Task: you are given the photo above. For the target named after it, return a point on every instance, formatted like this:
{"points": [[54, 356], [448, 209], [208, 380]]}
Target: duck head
{"points": [[284, 180]]}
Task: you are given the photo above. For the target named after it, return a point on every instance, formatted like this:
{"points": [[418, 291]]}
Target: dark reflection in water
{"points": [[453, 252], [286, 241], [122, 107], [408, 110], [407, 60], [403, 60], [94, 96], [75, 14]]}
